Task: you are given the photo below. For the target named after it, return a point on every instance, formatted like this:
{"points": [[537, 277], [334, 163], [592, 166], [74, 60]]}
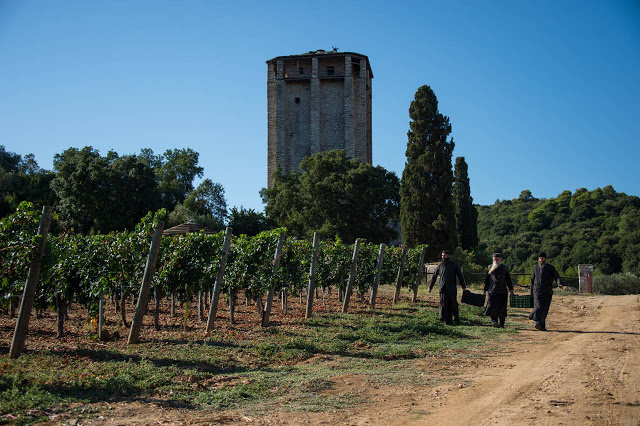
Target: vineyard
{"points": [[87, 269]]}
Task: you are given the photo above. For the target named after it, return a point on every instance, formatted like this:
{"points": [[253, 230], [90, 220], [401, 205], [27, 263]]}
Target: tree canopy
{"points": [[21, 179], [466, 214], [600, 227], [334, 195], [427, 210]]}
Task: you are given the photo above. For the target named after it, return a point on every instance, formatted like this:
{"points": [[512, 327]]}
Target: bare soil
{"points": [[584, 370]]}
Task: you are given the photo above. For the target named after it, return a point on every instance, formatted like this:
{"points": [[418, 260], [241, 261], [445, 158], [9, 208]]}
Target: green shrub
{"points": [[617, 284]]}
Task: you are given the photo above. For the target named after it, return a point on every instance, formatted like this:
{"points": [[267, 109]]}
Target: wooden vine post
{"points": [[423, 253], [215, 297], [352, 276], [276, 265], [22, 324], [376, 280], [403, 258], [145, 288], [312, 276]]}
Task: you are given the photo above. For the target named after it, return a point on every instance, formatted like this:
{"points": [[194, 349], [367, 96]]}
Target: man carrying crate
{"points": [[448, 271], [541, 289]]}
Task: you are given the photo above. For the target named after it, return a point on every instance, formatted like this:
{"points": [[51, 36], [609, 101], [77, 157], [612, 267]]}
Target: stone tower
{"points": [[317, 101]]}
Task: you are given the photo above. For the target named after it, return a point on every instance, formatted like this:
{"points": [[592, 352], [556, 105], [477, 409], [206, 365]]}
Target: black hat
{"points": [[498, 254], [542, 254]]}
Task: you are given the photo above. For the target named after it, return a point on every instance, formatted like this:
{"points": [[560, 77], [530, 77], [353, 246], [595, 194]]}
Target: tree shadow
{"points": [[108, 356]]}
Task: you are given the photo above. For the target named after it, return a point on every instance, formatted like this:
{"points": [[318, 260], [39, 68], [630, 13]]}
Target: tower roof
{"points": [[320, 53]]}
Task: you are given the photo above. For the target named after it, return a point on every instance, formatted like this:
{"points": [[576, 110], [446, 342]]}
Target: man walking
{"points": [[496, 283], [541, 289], [447, 272]]}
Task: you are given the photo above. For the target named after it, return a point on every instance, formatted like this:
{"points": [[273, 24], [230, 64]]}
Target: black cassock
{"points": [[541, 289], [448, 272], [496, 284]]}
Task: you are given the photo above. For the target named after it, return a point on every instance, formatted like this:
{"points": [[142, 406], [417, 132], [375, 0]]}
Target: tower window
{"points": [[301, 70], [331, 70], [297, 100]]}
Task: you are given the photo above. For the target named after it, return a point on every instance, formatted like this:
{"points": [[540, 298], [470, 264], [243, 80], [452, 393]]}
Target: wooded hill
{"points": [[600, 227]]}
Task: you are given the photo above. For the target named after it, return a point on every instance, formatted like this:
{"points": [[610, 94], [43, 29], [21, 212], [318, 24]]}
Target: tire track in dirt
{"points": [[571, 375]]}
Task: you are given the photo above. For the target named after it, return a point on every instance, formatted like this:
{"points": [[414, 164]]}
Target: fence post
{"points": [[312, 276], [419, 274], [143, 298], [352, 276], [376, 280], [215, 297], [276, 265], [22, 324], [396, 295]]}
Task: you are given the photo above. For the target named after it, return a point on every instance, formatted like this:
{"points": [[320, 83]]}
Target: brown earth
{"points": [[584, 370]]}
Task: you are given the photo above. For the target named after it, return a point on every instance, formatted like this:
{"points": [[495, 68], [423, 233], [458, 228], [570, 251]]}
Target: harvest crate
{"points": [[524, 301]]}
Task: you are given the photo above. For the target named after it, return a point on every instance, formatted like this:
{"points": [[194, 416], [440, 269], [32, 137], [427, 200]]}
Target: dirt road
{"points": [[585, 370]]}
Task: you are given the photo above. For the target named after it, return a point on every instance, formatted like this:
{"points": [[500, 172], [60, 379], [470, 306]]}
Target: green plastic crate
{"points": [[518, 301]]}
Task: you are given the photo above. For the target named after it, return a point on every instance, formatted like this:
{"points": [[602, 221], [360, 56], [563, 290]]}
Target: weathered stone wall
{"points": [[297, 110], [317, 102], [331, 115]]}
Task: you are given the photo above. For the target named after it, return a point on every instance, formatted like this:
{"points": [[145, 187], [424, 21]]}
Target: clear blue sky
{"points": [[542, 95]]}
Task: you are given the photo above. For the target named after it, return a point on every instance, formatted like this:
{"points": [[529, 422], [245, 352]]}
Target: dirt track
{"points": [[585, 370]]}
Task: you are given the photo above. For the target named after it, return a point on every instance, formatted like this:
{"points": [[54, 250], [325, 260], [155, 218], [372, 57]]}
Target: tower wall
{"points": [[317, 102]]}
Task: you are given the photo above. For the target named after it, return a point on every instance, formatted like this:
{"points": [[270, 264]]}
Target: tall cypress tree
{"points": [[426, 203], [466, 214]]}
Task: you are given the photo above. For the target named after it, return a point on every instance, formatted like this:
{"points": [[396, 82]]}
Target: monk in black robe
{"points": [[541, 289], [447, 272], [496, 283]]}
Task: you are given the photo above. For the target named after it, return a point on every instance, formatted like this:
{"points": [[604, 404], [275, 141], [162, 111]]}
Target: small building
{"points": [[317, 101]]}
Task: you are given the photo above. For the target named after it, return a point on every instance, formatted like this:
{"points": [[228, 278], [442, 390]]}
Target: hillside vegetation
{"points": [[600, 227]]}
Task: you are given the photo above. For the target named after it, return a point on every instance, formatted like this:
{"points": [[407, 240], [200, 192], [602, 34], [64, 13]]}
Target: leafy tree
{"points": [[334, 195], [81, 185], [182, 214], [208, 199], [176, 170], [466, 214], [134, 190], [205, 205], [21, 179], [427, 210], [247, 221], [598, 227], [102, 194]]}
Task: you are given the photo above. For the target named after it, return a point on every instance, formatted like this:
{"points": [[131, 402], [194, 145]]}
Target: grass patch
{"points": [[291, 367]]}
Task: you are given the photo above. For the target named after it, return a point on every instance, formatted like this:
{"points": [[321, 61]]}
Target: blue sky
{"points": [[541, 95]]}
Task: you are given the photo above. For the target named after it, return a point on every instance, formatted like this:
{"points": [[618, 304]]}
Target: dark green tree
{"points": [[175, 170], [466, 214], [82, 187], [205, 205], [103, 194], [426, 203], [599, 227], [21, 179], [334, 195], [247, 221]]}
